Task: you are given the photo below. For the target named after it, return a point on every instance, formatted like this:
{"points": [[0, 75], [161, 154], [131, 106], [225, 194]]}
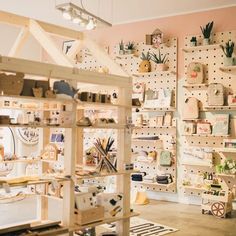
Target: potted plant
{"points": [[145, 65], [159, 61], [121, 47], [193, 42], [130, 48], [228, 50], [206, 31]]}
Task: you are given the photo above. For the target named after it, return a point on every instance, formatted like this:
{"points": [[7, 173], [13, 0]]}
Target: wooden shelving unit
{"points": [[228, 69], [73, 134], [153, 73]]}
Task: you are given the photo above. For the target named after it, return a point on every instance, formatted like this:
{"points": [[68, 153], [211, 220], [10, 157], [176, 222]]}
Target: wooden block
{"points": [[90, 215]]}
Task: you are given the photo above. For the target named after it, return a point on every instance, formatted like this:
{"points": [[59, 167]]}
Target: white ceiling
{"points": [[114, 11]]}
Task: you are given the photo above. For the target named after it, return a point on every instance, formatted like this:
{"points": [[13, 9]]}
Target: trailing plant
{"points": [[158, 59], [130, 46], [121, 45], [193, 39], [146, 57], [228, 49], [206, 31]]}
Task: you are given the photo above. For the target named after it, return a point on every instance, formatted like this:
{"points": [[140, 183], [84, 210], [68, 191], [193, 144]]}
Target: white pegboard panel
{"points": [[154, 80], [212, 58]]}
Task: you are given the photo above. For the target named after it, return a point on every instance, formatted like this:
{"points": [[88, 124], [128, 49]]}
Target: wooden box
{"points": [[89, 216]]}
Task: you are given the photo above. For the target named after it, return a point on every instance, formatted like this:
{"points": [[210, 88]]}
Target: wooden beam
{"points": [[18, 44], [46, 42], [76, 47], [102, 57], [22, 21]]}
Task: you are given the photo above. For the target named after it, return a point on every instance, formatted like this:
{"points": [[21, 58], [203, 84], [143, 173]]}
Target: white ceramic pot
{"points": [[228, 61], [161, 67], [129, 51], [122, 52], [193, 44], [206, 41]]}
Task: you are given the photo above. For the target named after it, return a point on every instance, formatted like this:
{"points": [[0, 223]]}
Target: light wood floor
{"points": [[188, 219]]}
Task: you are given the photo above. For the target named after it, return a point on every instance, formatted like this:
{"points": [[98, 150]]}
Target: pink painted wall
{"points": [[178, 26]]}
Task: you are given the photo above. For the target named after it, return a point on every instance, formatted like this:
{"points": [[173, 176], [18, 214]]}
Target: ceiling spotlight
{"points": [[67, 14], [90, 25]]}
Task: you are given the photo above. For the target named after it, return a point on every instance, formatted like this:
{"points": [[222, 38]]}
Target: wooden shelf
{"points": [[229, 150], [193, 188], [196, 164], [126, 56], [142, 109], [228, 68], [98, 105], [102, 175], [37, 100], [22, 160], [105, 126], [104, 221], [219, 108], [202, 48], [154, 127], [194, 86], [38, 126], [154, 73], [206, 135], [153, 184], [226, 175]]}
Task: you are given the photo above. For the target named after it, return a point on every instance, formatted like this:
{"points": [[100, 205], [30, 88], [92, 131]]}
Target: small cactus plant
{"points": [[146, 57], [206, 31], [158, 59]]}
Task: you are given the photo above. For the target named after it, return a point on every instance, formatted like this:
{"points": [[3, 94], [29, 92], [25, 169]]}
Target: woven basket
{"points": [[11, 84]]}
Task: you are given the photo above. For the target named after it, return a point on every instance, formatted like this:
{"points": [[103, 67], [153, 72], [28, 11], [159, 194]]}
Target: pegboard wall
{"points": [[212, 57], [154, 80]]}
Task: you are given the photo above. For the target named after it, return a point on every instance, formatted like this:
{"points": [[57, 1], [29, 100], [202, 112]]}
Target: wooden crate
{"points": [[89, 216]]}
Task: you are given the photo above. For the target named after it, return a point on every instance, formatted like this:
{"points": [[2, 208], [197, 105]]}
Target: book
{"points": [[221, 124]]}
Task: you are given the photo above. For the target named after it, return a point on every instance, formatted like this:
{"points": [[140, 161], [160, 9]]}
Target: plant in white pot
{"points": [[228, 50], [206, 31], [160, 61], [130, 48], [121, 47]]}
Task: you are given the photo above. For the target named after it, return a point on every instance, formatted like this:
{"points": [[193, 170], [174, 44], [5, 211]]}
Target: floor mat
{"points": [[142, 227]]}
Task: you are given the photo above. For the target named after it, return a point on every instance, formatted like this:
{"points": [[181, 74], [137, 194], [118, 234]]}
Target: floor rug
{"points": [[142, 227]]}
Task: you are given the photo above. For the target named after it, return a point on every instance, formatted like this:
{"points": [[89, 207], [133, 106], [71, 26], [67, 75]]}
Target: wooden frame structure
{"points": [[67, 70]]}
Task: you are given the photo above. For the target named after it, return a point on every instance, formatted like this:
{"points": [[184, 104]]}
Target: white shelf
{"points": [[202, 48], [228, 68], [126, 56], [154, 73], [22, 160]]}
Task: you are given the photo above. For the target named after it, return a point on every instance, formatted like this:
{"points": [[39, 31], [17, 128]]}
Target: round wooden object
{"points": [[218, 209]]}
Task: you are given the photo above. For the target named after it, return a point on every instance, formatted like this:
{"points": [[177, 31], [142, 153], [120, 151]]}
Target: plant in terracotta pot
{"points": [[145, 65], [206, 31], [193, 42], [160, 61], [121, 47], [130, 48], [228, 50]]}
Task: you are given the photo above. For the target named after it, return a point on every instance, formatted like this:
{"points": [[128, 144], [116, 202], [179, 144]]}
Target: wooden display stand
{"points": [[66, 71]]}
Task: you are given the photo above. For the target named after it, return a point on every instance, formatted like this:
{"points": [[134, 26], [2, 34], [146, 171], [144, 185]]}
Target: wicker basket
{"points": [[11, 84]]}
